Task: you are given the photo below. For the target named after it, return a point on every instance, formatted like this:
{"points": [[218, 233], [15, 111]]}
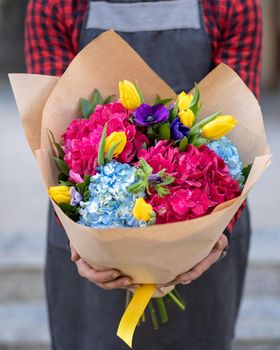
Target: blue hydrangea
{"points": [[110, 204], [225, 149]]}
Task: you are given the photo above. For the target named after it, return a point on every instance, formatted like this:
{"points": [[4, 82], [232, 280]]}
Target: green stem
{"points": [[143, 317], [196, 128], [153, 315], [127, 298], [162, 310], [177, 301], [176, 293]]}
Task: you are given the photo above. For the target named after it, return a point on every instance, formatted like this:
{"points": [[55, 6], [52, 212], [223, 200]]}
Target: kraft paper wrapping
{"points": [[156, 254]]}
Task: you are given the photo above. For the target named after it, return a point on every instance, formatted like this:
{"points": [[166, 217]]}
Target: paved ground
{"points": [[24, 203]]}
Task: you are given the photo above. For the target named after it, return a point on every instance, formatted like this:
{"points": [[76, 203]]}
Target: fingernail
{"points": [[116, 274], [127, 282], [186, 282]]}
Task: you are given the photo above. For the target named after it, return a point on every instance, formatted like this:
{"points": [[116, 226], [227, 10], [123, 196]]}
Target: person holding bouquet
{"points": [[193, 37]]}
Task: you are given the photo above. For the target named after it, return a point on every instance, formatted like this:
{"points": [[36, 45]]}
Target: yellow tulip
{"points": [[142, 211], [219, 127], [129, 96], [60, 194], [184, 101], [116, 136], [187, 118]]}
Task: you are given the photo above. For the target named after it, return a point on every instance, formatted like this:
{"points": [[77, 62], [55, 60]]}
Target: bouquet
{"points": [[143, 180], [131, 164]]}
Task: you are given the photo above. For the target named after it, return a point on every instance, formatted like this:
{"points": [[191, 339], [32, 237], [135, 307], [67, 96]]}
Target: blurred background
{"points": [[23, 208]]}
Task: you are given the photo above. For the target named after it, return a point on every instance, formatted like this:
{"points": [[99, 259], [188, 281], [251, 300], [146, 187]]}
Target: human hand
{"points": [[204, 265], [109, 279]]}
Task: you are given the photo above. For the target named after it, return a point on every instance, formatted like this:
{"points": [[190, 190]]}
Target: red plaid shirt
{"points": [[234, 27]]}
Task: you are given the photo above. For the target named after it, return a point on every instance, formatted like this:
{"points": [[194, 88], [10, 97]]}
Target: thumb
{"points": [[221, 243], [74, 254]]}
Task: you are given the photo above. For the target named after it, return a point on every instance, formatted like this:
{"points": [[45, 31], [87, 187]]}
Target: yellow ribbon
{"points": [[134, 311]]}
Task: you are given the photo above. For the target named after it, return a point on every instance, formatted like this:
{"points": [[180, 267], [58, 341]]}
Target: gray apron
{"points": [[171, 37]]}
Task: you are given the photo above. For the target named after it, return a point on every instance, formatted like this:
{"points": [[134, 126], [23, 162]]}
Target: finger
{"points": [[204, 265], [74, 254], [95, 276], [221, 243], [197, 270], [121, 282], [171, 283], [200, 268]]}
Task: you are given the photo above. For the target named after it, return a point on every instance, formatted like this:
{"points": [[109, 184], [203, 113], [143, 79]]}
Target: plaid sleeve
{"points": [[241, 49], [52, 30], [235, 32]]}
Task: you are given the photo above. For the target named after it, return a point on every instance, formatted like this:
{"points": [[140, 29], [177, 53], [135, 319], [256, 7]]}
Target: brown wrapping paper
{"points": [[155, 254]]}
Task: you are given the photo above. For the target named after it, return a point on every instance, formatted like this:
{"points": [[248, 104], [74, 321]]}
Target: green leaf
{"points": [[62, 165], [66, 183], [96, 99], [158, 100], [108, 99], [164, 131], [208, 119], [161, 190], [59, 149], [70, 211], [112, 149], [195, 130], [101, 149], [168, 179], [196, 96], [196, 110], [153, 218], [86, 107], [86, 195], [166, 101], [83, 186], [144, 146], [199, 141], [142, 173], [137, 187], [139, 92], [195, 106], [62, 177], [183, 144], [174, 112], [246, 171]]}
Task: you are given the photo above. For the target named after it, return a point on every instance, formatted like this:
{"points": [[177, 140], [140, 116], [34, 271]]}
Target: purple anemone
{"points": [[178, 130], [154, 179], [147, 115]]}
